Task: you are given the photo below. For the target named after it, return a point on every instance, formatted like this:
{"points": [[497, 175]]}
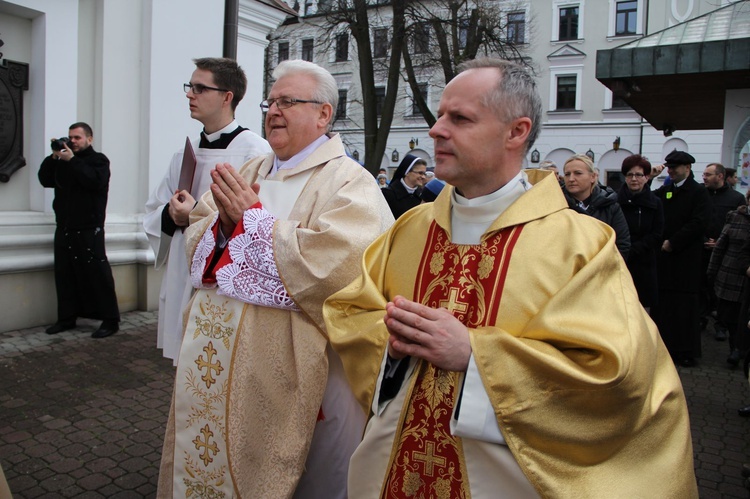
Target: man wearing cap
{"points": [[687, 212], [723, 200]]}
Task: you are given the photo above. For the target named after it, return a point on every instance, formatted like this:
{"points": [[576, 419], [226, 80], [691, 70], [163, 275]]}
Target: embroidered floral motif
{"points": [[205, 246], [199, 485], [214, 324], [209, 402], [252, 277]]}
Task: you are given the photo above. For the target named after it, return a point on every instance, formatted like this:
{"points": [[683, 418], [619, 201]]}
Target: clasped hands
{"points": [[434, 335], [232, 195]]}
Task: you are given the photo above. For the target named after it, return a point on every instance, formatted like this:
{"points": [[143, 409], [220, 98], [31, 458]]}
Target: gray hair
{"points": [[325, 90], [515, 95]]}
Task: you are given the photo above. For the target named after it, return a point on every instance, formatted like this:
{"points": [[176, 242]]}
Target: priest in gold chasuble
{"points": [[495, 337], [261, 406]]}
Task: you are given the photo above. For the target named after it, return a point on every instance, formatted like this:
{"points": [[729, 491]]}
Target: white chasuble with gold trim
{"points": [[201, 448]]}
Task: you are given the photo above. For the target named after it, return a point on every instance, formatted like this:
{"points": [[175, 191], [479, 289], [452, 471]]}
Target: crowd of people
{"points": [[343, 337]]}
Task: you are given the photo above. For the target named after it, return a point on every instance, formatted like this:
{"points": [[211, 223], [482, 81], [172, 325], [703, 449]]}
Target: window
{"points": [[421, 38], [566, 93], [423, 92], [619, 103], [568, 23], [380, 42], [516, 28], [283, 51], [463, 33], [379, 98], [307, 49], [626, 18], [342, 47], [341, 108]]}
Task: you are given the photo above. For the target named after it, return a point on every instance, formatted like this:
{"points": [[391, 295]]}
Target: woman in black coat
{"points": [[585, 195], [645, 217], [403, 193]]}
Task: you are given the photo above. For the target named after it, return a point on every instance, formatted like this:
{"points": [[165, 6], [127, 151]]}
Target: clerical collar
{"points": [[410, 190], [212, 137], [298, 158], [470, 218]]}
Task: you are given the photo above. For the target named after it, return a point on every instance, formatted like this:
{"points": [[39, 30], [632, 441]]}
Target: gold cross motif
{"points": [[207, 446], [208, 378], [428, 458], [452, 303]]}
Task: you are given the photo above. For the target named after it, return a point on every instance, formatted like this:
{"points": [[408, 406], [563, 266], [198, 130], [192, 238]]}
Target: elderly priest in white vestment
{"points": [[261, 405], [495, 336]]}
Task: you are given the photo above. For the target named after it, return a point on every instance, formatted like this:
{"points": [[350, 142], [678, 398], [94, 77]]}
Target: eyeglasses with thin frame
{"points": [[198, 88], [634, 175], [421, 174], [284, 103]]}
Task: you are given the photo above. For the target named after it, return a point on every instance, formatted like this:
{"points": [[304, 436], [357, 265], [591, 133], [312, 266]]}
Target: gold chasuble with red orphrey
{"points": [[467, 280]]}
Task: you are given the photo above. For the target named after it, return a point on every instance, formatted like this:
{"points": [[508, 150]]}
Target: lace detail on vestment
{"points": [[204, 249], [252, 276]]}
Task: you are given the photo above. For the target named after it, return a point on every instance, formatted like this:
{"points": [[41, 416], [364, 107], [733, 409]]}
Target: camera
{"points": [[59, 144]]}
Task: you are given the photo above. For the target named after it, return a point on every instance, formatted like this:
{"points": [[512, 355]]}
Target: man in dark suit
{"points": [[83, 277], [687, 212], [723, 199]]}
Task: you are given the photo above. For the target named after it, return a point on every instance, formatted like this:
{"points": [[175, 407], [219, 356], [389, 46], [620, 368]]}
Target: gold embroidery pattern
{"points": [[212, 326], [204, 471], [427, 461], [467, 265], [209, 365], [424, 466]]}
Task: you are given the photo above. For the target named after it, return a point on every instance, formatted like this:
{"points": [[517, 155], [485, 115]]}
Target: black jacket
{"points": [[81, 188], [687, 213], [399, 199], [644, 215], [602, 205], [723, 200]]}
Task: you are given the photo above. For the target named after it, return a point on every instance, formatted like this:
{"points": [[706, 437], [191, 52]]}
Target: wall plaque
{"points": [[14, 79]]}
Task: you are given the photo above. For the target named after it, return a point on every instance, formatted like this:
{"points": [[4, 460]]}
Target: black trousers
{"points": [[83, 277]]}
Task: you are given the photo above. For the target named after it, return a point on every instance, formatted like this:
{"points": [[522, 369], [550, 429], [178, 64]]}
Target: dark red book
{"points": [[187, 172]]}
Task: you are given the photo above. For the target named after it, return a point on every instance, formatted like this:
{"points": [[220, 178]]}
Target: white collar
{"points": [[298, 158], [215, 136]]}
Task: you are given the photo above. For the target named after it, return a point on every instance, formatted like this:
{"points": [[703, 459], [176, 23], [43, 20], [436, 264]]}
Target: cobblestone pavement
{"points": [[84, 418]]}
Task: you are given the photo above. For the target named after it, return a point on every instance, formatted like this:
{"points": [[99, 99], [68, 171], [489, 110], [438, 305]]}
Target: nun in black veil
{"points": [[404, 191]]}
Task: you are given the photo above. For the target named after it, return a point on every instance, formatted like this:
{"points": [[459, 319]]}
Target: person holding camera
{"points": [[83, 278]]}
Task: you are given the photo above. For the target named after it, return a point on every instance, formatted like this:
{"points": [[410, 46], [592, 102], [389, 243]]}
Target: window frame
{"points": [[341, 50], [515, 38], [304, 49], [414, 110], [557, 5], [563, 71], [420, 38], [279, 51], [378, 51], [342, 107]]}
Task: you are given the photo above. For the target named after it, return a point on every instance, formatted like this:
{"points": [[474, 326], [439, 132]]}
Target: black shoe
{"points": [[59, 327], [745, 413], [734, 358], [720, 335], [106, 329], [688, 362]]}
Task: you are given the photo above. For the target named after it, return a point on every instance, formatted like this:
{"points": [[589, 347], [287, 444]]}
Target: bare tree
{"points": [[463, 30], [431, 36]]}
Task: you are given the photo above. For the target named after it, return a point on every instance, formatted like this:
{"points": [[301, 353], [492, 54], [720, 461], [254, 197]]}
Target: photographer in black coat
{"points": [[83, 278]]}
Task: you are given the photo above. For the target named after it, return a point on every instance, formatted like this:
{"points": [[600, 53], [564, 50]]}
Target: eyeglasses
{"points": [[284, 103], [197, 88], [634, 175], [421, 174]]}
